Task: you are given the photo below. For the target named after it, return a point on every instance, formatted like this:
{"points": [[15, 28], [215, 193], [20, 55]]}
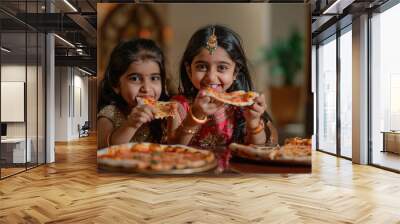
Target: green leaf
{"points": [[286, 57]]}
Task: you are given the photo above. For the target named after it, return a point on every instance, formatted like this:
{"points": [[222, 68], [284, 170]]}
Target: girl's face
{"points": [[143, 79], [216, 71]]}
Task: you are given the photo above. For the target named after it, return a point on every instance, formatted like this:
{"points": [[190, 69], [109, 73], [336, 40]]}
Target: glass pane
{"points": [[346, 94], [41, 99], [327, 96], [385, 86], [31, 96], [13, 85]]}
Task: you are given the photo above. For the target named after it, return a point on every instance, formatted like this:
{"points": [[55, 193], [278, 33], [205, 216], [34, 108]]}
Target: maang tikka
{"points": [[212, 42]]}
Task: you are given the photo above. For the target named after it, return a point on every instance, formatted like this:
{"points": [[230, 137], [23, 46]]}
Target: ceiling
{"points": [[79, 27], [330, 16]]}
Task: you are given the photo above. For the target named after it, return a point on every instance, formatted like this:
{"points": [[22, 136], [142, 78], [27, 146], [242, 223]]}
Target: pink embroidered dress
{"points": [[218, 131]]}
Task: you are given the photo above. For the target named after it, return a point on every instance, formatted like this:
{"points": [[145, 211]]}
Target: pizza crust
{"points": [[296, 154], [151, 157], [236, 98], [163, 109]]}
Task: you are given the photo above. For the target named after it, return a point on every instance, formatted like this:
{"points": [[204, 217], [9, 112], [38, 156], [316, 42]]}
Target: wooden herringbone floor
{"points": [[72, 191]]}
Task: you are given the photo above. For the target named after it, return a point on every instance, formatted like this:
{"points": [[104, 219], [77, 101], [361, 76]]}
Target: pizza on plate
{"points": [[298, 141], [148, 157], [289, 153], [236, 98], [163, 109]]}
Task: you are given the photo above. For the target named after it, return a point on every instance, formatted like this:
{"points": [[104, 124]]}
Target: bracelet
{"points": [[188, 130], [195, 119], [258, 129]]}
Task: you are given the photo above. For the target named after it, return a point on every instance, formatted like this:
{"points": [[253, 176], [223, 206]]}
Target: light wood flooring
{"points": [[387, 159], [72, 191]]}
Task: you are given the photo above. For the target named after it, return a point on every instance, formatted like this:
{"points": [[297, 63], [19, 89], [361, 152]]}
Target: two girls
{"points": [[214, 58]]}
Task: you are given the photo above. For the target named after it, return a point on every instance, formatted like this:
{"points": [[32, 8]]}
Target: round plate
{"points": [[127, 167], [146, 171]]}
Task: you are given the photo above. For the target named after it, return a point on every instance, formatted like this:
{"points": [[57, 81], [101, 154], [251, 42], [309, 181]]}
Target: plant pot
{"points": [[285, 104]]}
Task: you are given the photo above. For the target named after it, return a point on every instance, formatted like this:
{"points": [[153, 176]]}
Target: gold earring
{"points": [[212, 42]]}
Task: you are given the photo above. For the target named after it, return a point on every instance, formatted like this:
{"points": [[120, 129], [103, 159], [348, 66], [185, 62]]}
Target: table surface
{"points": [[246, 166], [391, 132], [236, 166], [13, 140]]}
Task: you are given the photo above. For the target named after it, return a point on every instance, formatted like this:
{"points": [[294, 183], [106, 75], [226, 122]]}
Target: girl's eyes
{"points": [[222, 68], [134, 78], [138, 78], [201, 67], [155, 78], [204, 68]]}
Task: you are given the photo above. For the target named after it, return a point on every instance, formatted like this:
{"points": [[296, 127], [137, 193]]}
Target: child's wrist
{"points": [[189, 129], [132, 125], [253, 123], [197, 116], [259, 127]]}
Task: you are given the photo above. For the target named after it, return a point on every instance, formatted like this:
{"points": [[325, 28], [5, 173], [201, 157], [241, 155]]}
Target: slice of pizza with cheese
{"points": [[151, 157], [163, 109], [289, 153], [236, 98]]}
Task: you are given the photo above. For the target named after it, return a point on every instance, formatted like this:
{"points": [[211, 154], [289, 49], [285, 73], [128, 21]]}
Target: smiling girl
{"points": [[136, 69], [214, 58]]}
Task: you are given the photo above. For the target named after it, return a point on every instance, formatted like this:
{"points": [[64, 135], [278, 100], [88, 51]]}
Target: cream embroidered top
{"points": [[117, 118]]}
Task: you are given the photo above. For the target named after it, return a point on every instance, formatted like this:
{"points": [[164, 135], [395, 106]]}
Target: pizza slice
{"points": [[236, 98], [290, 154], [254, 152], [295, 153], [298, 141], [163, 109]]}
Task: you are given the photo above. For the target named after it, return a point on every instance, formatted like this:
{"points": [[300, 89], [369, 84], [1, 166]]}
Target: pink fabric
{"points": [[213, 133]]}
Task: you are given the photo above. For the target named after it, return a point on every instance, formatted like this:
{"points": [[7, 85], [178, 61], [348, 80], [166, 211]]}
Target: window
{"points": [[346, 93], [385, 88], [326, 92]]}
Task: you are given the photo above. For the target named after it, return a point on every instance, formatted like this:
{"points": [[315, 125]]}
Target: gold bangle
{"points": [[195, 119], [188, 130], [258, 129]]}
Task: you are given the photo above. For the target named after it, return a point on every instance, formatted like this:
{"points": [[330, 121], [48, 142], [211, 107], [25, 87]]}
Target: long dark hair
{"points": [[228, 40], [231, 42], [121, 57]]}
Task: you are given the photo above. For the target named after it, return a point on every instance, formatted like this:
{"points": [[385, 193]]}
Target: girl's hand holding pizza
{"points": [[204, 105], [253, 113], [140, 115]]}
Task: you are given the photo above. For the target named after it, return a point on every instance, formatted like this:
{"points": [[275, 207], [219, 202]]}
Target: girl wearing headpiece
{"points": [[214, 58]]}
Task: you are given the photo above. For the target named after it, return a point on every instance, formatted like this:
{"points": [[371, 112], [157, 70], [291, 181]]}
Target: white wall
{"points": [[67, 115], [79, 117], [34, 125], [15, 72], [61, 103]]}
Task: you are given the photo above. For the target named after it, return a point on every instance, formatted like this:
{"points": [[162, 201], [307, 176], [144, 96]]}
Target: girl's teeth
{"points": [[214, 86]]}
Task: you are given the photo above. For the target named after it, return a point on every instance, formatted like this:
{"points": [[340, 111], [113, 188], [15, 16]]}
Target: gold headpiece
{"points": [[212, 42]]}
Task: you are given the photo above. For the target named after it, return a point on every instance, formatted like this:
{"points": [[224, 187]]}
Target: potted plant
{"points": [[285, 58]]}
